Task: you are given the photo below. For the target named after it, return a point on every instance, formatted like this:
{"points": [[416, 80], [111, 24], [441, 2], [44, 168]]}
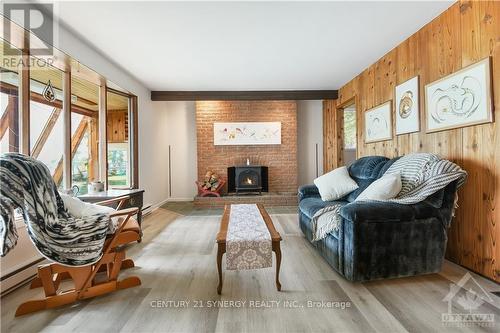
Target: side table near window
{"points": [[129, 197]]}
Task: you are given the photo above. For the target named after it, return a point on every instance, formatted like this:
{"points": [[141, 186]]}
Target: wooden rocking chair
{"points": [[86, 284]]}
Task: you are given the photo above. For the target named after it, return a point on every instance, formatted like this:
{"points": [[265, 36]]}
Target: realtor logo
{"points": [[464, 301], [38, 18]]}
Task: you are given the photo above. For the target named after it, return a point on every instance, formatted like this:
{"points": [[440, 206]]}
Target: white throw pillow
{"points": [[335, 184], [384, 188], [78, 208]]}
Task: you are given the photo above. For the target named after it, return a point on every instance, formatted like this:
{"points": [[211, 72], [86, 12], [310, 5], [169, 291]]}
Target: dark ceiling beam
{"points": [[243, 95]]}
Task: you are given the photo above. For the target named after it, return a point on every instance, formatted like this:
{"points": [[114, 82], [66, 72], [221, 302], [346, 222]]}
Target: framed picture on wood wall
{"points": [[407, 107], [460, 99], [378, 123]]}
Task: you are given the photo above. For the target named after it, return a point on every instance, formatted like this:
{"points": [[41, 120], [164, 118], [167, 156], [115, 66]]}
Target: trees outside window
{"points": [[349, 129], [118, 140]]}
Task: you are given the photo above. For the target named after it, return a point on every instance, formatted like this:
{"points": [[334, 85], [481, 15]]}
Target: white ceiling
{"points": [[246, 45]]}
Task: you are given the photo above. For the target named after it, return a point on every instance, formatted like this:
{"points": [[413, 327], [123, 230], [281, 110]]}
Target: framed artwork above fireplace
{"points": [[248, 133]]}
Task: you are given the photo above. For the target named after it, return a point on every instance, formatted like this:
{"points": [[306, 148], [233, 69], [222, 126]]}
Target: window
{"points": [[118, 140], [84, 133], [9, 104], [44, 125], [350, 128], [46, 121]]}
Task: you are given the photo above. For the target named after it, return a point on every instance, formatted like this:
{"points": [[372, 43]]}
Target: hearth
{"points": [[247, 179]]}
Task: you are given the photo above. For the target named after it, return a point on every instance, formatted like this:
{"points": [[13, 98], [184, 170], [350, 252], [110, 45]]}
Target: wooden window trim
{"points": [[36, 97], [24, 99], [19, 115], [67, 139], [135, 141], [133, 137], [103, 135]]}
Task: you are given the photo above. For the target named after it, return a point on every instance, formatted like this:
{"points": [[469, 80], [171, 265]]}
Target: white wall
{"points": [[309, 133], [153, 157], [181, 136]]}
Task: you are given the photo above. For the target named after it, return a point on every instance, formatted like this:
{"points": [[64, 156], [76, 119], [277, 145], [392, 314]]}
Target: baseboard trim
{"points": [[21, 276], [20, 269], [180, 199], [151, 208], [17, 285]]}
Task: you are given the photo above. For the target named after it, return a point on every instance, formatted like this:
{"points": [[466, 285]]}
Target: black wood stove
{"points": [[247, 179]]}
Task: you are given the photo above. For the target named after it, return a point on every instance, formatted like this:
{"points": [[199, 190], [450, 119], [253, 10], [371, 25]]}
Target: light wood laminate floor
{"points": [[176, 262]]}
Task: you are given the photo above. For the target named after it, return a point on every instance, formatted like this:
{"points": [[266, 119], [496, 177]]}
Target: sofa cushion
{"points": [[376, 211], [335, 184], [309, 206], [364, 171], [363, 184], [307, 191], [367, 167], [386, 166], [384, 188]]}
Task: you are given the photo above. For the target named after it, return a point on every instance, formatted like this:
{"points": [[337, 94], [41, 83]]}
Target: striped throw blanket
{"points": [[422, 174], [27, 185]]}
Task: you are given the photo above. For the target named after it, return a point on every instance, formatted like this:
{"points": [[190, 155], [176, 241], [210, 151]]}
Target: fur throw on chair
{"points": [[27, 185]]}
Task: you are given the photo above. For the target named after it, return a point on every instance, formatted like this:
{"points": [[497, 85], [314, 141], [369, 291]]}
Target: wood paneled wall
{"points": [[117, 122], [465, 33], [330, 151]]}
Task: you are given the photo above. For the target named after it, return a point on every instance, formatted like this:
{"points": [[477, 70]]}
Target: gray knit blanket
{"points": [[422, 174], [27, 185]]}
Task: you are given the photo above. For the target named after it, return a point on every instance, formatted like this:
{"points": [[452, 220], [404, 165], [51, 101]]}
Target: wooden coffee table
{"points": [[221, 243]]}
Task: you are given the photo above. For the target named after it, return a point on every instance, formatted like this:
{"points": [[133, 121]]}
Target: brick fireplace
{"points": [[281, 160]]}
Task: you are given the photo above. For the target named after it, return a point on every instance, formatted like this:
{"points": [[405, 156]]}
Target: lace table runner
{"points": [[248, 241]]}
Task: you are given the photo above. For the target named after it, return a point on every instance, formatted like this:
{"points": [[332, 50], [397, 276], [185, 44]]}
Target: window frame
{"points": [[69, 67], [132, 137]]}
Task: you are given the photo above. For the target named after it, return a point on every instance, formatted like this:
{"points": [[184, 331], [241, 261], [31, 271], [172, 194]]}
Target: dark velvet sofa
{"points": [[379, 240]]}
